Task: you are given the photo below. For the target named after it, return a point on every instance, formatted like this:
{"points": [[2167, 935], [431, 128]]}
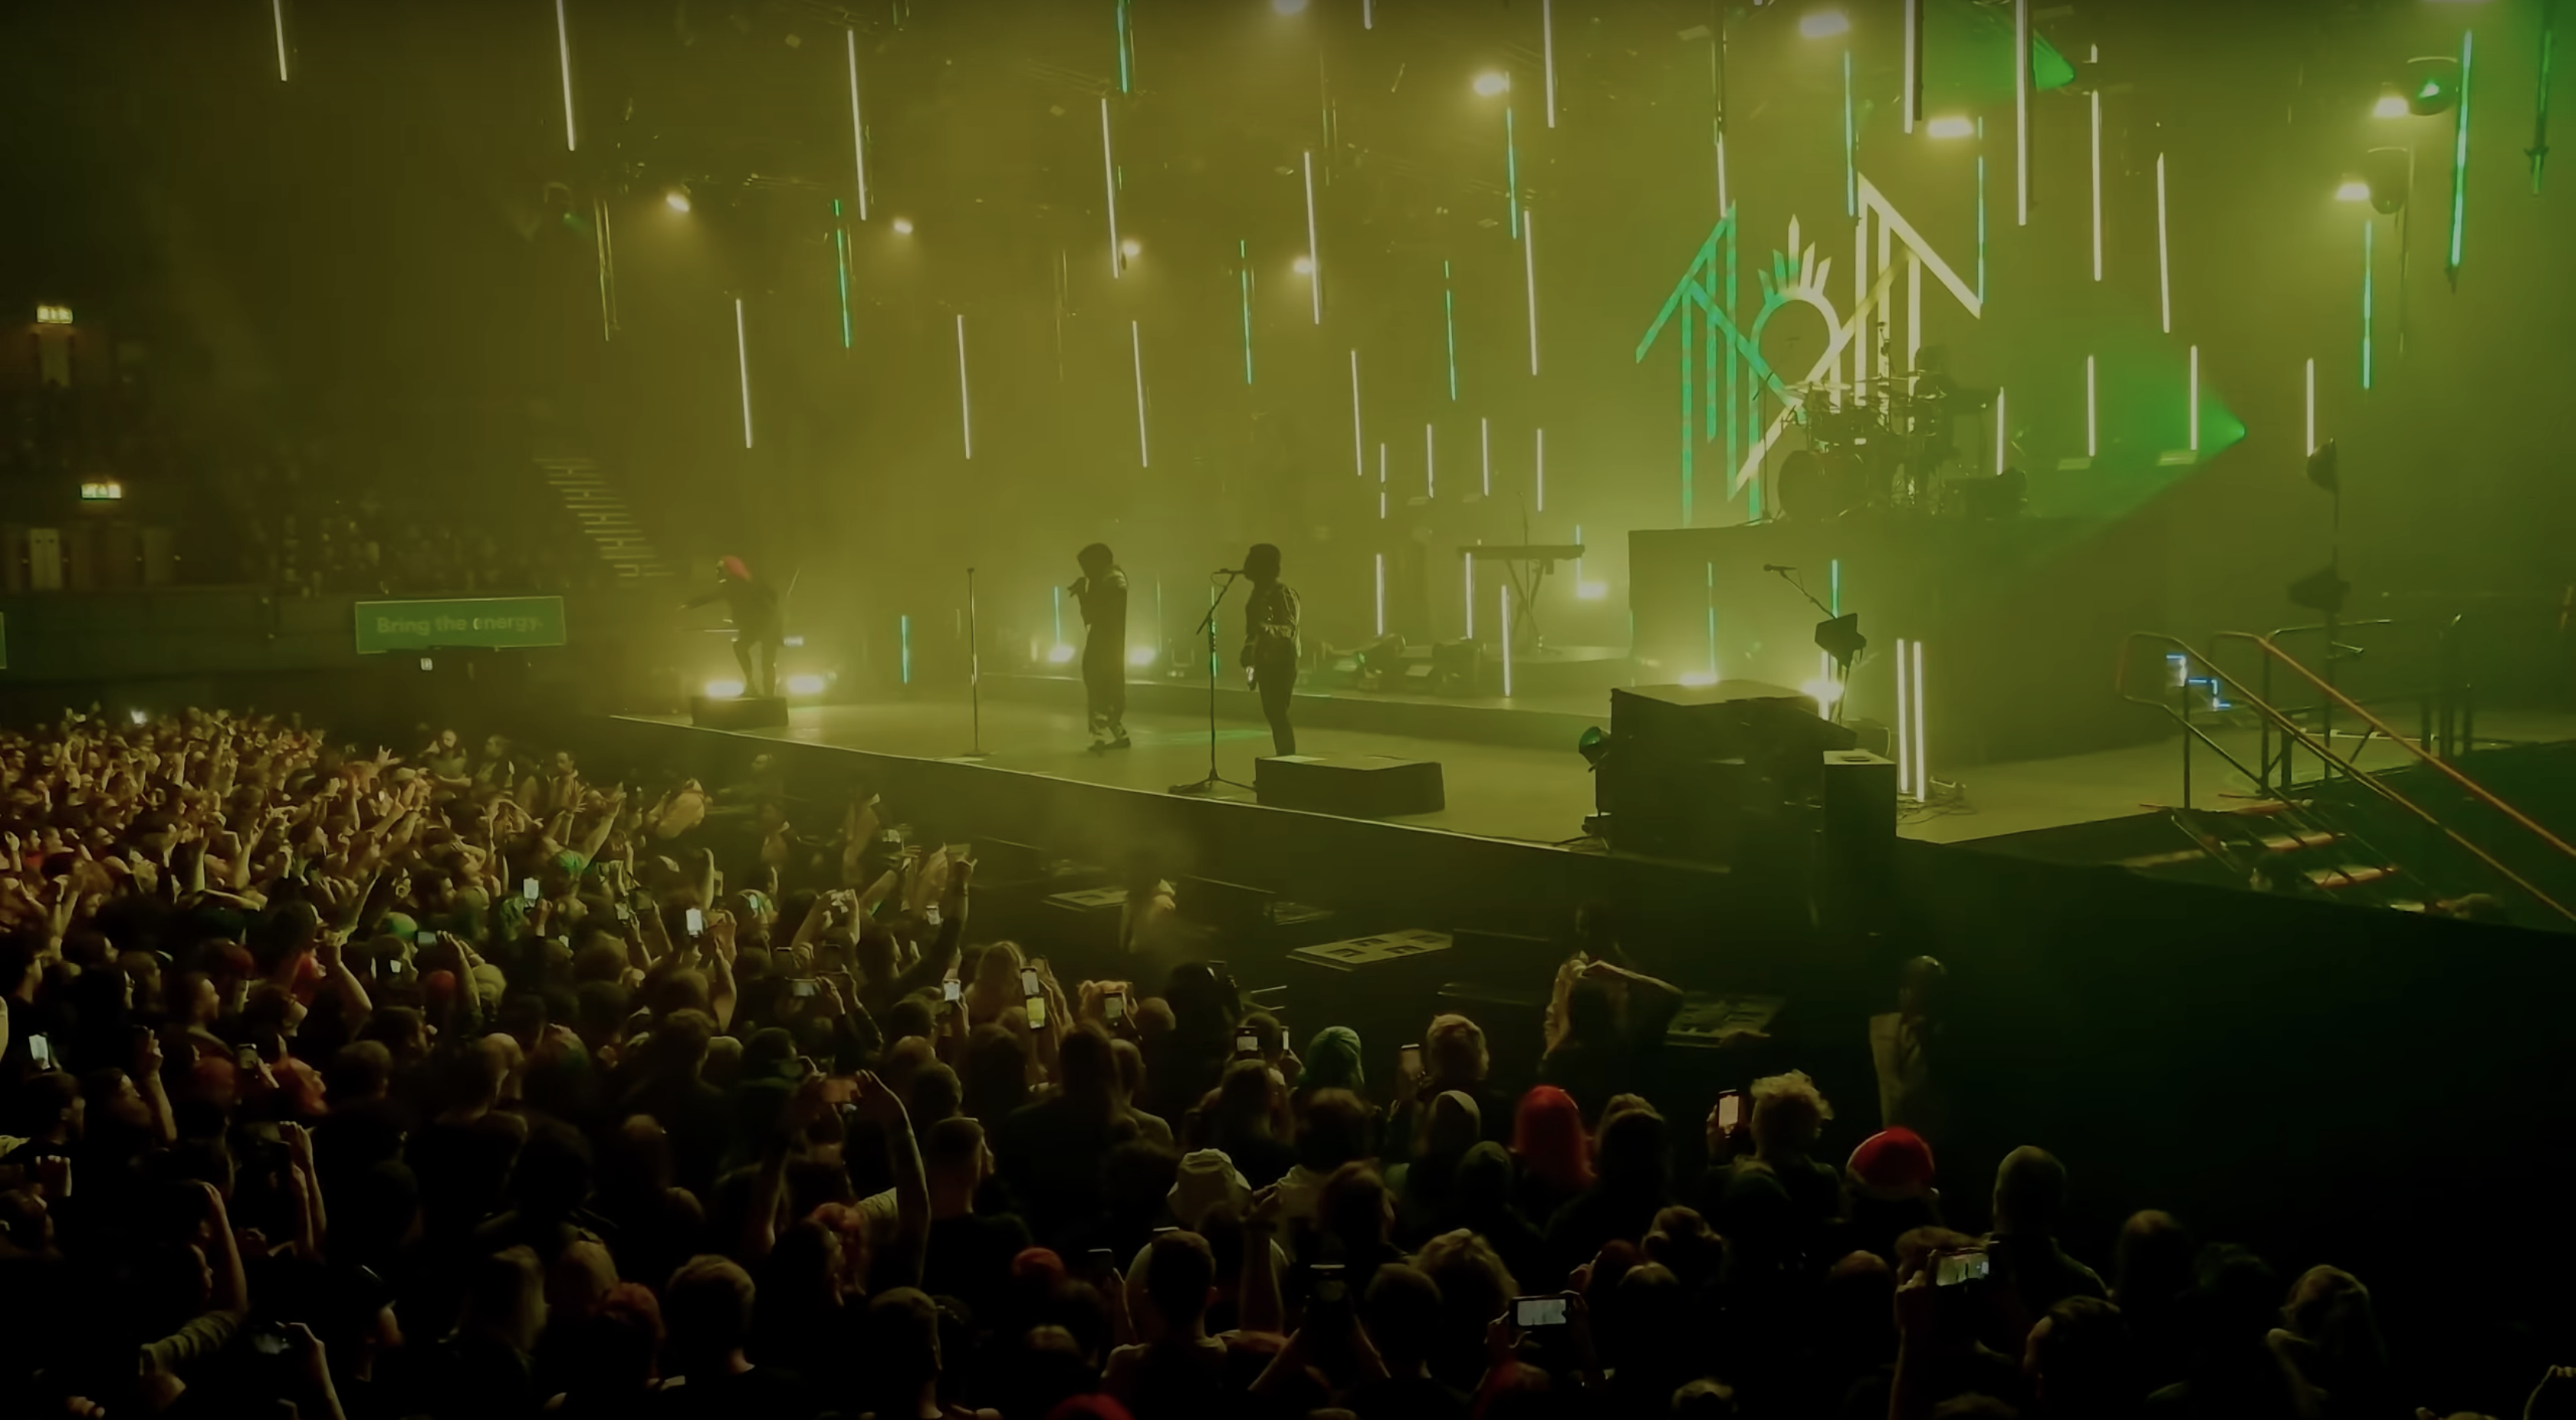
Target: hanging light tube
{"points": [[1503, 595], [2164, 258], [1136, 349], [1529, 267], [2097, 184], [1542, 470], [2092, 423], [1904, 728], [1547, 52], [2312, 405], [1430, 466], [1449, 326], [2195, 399], [2369, 232], [965, 402], [1922, 741], [1109, 179], [2003, 430], [1314, 254], [2021, 109], [742, 359], [1381, 594], [1913, 63], [277, 17], [563, 52], [2460, 163], [1485, 451], [1359, 450]]}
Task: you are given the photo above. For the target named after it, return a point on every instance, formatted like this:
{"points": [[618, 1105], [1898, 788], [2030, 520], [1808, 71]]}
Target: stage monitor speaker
{"points": [[1383, 986], [1353, 786], [1457, 667], [738, 712], [1856, 850]]}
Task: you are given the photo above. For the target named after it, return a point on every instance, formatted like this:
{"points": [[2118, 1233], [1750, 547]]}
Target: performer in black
{"points": [[753, 608], [1102, 591], [1270, 642]]}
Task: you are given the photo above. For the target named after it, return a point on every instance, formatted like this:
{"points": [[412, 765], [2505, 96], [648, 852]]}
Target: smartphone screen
{"points": [[625, 913], [1029, 982], [1247, 1043], [1285, 1045], [1410, 1059], [1730, 1111], [528, 889], [1037, 1013], [1115, 1005], [40, 1050], [1531, 1312], [949, 990], [1954, 1268], [245, 1059], [697, 920], [802, 987], [424, 939]]}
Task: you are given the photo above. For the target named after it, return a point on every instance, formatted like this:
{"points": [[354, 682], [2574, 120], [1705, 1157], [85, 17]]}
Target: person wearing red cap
{"points": [[753, 606]]}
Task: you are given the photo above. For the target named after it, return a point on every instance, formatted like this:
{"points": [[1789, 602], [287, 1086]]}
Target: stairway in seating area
{"points": [[601, 509], [2284, 845]]}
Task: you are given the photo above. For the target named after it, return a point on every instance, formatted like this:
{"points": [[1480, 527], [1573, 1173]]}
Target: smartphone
{"points": [[246, 1060], [802, 987], [527, 889], [1114, 1005], [1950, 1269], [268, 1341], [697, 921], [625, 913], [1099, 1262], [40, 1051], [424, 938], [839, 1089], [1409, 1060], [1286, 1046], [1730, 1112], [1530, 1313], [1029, 982], [1037, 1013], [949, 991], [1329, 1287], [930, 915], [1247, 1043]]}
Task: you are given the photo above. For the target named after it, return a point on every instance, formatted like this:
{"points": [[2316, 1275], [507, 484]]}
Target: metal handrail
{"points": [[2464, 783], [2351, 771]]}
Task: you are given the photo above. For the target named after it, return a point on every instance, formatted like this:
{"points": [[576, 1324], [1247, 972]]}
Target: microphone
{"points": [[1776, 567], [1228, 572]]}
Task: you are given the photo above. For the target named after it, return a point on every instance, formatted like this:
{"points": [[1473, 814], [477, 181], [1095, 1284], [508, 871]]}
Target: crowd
{"points": [[453, 1084], [309, 529]]}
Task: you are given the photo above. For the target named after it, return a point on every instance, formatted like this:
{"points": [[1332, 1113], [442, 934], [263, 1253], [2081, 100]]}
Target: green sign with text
{"points": [[491, 623]]}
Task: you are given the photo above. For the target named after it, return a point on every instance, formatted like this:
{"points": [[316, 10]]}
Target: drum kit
{"points": [[1881, 452]]}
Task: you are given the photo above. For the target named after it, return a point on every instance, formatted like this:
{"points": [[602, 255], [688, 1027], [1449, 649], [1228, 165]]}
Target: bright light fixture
{"points": [[1303, 266], [137, 716], [1289, 7], [2391, 105], [1696, 679], [1144, 655], [1824, 24], [1059, 654], [1131, 248], [1492, 82], [1591, 591], [2353, 190], [903, 226], [101, 490], [1952, 126], [1824, 690], [676, 200], [724, 690], [53, 315], [805, 685]]}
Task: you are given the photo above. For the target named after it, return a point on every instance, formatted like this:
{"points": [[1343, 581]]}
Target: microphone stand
{"points": [[1207, 624], [1842, 663]]}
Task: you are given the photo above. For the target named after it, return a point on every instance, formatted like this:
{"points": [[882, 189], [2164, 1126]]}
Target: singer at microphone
{"points": [[1270, 642], [1102, 592]]}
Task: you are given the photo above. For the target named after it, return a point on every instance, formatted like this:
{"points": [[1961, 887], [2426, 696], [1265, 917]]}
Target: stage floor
{"points": [[1534, 795]]}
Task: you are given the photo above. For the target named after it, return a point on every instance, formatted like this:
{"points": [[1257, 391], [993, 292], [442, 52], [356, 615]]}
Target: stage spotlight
{"points": [[1140, 656], [1591, 591], [724, 690], [2353, 190], [1593, 745], [1303, 266], [903, 226], [1289, 7], [1059, 655], [1131, 248], [677, 199], [2392, 104], [1696, 679], [1824, 690], [1824, 24], [2432, 84], [1952, 126], [137, 716], [805, 685], [1492, 82]]}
